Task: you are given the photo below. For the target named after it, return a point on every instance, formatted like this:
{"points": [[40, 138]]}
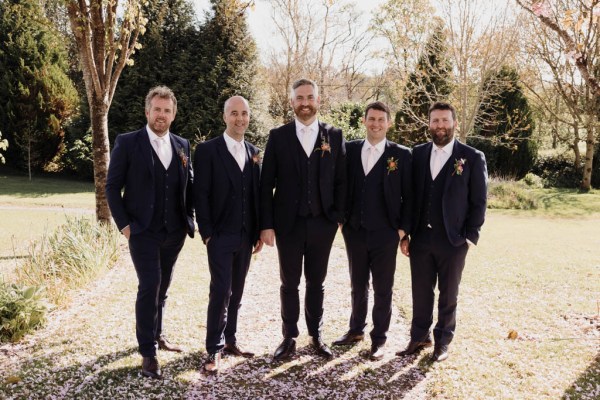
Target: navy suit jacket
{"points": [[214, 189], [464, 197], [132, 167], [397, 184], [280, 180]]}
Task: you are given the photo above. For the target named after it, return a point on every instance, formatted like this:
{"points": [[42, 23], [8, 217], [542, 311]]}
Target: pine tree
{"points": [[39, 96], [430, 82], [504, 126]]}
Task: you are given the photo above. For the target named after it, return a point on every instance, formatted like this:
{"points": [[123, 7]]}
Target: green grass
{"points": [[45, 192]]}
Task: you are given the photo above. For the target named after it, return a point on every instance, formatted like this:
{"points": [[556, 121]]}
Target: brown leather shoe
{"points": [[151, 368], [164, 344], [285, 350], [440, 352], [348, 338], [212, 363], [377, 352], [414, 347], [321, 347], [235, 350]]}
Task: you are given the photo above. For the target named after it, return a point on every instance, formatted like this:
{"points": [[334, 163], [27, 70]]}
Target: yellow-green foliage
{"points": [[70, 257], [22, 309], [507, 194]]}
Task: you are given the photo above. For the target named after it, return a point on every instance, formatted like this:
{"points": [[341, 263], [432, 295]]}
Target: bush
{"points": [[22, 309], [505, 194], [532, 180], [558, 170], [70, 257]]}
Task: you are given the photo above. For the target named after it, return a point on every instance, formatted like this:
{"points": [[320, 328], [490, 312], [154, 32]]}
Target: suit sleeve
{"points": [[189, 194], [477, 197], [202, 192], [340, 183], [267, 184], [406, 212], [115, 181]]}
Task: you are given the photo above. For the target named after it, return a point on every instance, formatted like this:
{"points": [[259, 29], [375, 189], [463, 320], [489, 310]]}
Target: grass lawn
{"points": [[534, 272]]}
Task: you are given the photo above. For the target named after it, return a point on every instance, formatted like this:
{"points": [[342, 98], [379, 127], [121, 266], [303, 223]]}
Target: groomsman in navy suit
{"points": [[154, 213], [302, 194], [226, 199], [378, 213], [450, 181]]}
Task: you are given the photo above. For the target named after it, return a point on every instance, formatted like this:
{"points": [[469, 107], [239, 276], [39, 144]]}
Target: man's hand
{"points": [[258, 246], [126, 232], [267, 236], [404, 247]]}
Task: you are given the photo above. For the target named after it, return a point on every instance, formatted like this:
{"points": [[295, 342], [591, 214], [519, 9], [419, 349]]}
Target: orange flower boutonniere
{"points": [[392, 165], [257, 158], [325, 147], [183, 157], [459, 166]]}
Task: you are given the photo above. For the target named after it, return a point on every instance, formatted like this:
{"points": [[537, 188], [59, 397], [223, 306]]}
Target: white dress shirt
{"points": [[307, 139], [443, 153], [165, 153], [237, 150], [376, 153]]}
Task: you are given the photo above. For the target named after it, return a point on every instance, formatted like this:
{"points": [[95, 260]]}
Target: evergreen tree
{"points": [[39, 96], [504, 126], [229, 67], [429, 82]]}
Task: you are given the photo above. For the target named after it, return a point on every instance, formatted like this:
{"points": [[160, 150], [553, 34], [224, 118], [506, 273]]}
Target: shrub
{"points": [[533, 181], [22, 309], [70, 257], [558, 170], [505, 194]]}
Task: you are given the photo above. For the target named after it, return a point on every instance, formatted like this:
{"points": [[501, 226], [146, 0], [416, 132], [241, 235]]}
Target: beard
{"points": [[159, 128], [305, 112], [441, 136]]}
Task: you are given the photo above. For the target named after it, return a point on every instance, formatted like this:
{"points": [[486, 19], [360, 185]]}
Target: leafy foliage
{"points": [[505, 126], [507, 194], [22, 309], [39, 96], [347, 117], [558, 170]]}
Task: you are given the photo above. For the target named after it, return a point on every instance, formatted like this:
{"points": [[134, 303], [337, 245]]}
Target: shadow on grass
{"points": [[307, 376], [587, 386]]}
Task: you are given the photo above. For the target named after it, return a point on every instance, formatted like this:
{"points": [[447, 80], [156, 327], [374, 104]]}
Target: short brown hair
{"points": [[441, 105], [302, 82], [378, 105], [162, 92]]}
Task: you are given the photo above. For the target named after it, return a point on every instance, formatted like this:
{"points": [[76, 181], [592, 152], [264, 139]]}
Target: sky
{"points": [[259, 20]]}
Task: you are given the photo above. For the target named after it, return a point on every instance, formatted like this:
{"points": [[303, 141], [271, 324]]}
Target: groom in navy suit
{"points": [[378, 216], [154, 213], [302, 193], [450, 181], [226, 199]]}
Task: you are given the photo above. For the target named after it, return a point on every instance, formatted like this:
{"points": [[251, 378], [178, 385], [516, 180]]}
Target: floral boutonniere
{"points": [[392, 165], [257, 158], [459, 166], [325, 147], [184, 158]]}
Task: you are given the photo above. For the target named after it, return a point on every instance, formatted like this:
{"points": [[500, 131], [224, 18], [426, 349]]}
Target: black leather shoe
{"points": [[212, 363], [151, 368], [376, 352], [164, 344], [414, 347], [285, 350], [235, 350], [440, 352], [321, 347], [348, 338]]}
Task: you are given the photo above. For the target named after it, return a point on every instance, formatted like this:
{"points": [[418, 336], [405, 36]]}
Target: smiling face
{"points": [[377, 124], [160, 115], [305, 103], [441, 127], [237, 117]]}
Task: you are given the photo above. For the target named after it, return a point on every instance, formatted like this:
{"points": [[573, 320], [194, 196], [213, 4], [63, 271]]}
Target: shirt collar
{"points": [[230, 142], [446, 149], [379, 146], [153, 136], [314, 127]]}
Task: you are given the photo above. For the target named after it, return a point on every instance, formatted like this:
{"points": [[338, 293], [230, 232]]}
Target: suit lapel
{"points": [[227, 159], [324, 156], [177, 152], [450, 170], [292, 144], [252, 152], [146, 150]]}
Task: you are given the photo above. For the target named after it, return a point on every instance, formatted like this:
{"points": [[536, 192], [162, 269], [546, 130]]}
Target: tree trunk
{"points": [[575, 147], [101, 148], [586, 182]]}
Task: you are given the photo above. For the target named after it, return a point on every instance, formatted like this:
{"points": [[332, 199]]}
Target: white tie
{"points": [[370, 158], [238, 150], [163, 154], [437, 163], [305, 140]]}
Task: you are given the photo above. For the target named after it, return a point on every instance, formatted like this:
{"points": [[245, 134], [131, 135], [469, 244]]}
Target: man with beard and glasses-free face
{"points": [[450, 195], [378, 216], [302, 190], [154, 213], [226, 199]]}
